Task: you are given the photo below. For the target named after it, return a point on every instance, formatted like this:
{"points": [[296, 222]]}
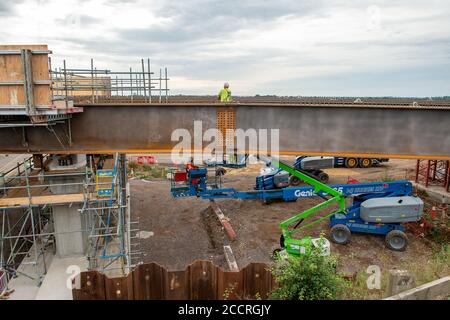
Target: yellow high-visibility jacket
{"points": [[225, 95]]}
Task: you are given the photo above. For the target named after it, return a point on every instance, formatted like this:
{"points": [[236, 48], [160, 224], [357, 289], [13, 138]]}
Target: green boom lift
{"points": [[304, 245]]}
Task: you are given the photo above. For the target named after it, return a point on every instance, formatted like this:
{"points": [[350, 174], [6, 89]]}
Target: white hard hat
{"points": [[226, 84]]}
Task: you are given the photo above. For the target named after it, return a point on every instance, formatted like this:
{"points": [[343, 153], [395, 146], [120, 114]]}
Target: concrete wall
{"points": [[70, 241]]}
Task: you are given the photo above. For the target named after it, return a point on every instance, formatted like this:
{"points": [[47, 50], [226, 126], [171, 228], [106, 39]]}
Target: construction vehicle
{"points": [[313, 166], [228, 161], [353, 162], [277, 178], [374, 213], [377, 207]]}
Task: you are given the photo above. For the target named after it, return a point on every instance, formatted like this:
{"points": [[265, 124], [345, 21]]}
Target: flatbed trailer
{"points": [[353, 162]]}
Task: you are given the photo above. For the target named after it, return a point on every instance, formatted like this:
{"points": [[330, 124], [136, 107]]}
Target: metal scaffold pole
{"points": [[27, 230], [103, 85]]}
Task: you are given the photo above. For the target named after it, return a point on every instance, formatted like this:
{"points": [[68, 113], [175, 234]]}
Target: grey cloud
{"points": [[202, 19], [119, 2], [7, 7], [198, 26], [248, 10]]}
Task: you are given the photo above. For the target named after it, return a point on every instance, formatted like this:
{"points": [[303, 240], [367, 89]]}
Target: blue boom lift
{"points": [[377, 207]]}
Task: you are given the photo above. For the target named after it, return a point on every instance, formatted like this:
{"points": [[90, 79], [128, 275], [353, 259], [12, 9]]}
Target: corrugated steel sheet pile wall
{"points": [[202, 280]]}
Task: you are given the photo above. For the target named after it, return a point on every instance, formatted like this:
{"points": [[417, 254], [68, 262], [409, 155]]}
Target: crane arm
{"points": [[336, 197]]}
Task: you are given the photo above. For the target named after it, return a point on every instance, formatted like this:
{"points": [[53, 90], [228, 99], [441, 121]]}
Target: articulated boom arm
{"points": [[318, 186]]}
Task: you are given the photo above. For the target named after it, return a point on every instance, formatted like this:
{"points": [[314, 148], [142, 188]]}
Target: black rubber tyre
{"points": [[340, 234], [365, 163], [351, 163], [323, 177], [276, 253], [282, 241], [294, 181], [396, 240]]}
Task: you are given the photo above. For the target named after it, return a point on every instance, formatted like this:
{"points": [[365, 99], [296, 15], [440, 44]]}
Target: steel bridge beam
{"points": [[391, 131]]}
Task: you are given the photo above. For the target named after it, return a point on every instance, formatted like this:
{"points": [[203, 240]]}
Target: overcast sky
{"points": [[330, 48]]}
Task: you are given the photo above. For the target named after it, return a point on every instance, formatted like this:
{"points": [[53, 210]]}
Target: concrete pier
{"points": [[71, 239]]}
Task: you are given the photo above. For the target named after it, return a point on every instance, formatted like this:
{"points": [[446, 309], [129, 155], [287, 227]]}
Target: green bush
{"points": [[132, 165], [385, 177], [307, 277]]}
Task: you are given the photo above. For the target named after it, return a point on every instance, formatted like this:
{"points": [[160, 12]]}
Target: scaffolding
{"points": [[103, 86], [27, 222], [32, 93], [433, 173]]}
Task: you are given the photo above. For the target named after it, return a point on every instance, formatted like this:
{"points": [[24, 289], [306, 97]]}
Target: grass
{"points": [[385, 176], [437, 266], [146, 171]]}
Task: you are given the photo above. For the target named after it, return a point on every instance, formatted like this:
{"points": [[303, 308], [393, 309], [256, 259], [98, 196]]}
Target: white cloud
{"points": [[258, 47]]}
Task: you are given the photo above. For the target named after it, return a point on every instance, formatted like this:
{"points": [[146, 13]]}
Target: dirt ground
{"points": [[183, 229]]}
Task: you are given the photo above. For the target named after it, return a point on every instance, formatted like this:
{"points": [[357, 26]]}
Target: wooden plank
{"points": [[37, 200], [225, 221], [427, 291], [231, 260]]}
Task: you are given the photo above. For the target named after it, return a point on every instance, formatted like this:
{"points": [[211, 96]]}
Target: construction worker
{"points": [[225, 93]]}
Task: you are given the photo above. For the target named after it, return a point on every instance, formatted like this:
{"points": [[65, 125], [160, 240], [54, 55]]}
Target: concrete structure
{"points": [[62, 211], [436, 193], [56, 284], [70, 239], [427, 291], [399, 281], [24, 286], [70, 225]]}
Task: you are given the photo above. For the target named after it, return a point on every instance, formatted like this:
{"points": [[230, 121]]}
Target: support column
{"points": [[70, 226]]}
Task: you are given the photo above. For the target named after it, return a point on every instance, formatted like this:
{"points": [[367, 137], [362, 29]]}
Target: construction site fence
{"points": [[201, 280]]}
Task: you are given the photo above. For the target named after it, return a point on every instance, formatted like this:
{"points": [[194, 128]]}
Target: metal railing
{"points": [[103, 85], [9, 175]]}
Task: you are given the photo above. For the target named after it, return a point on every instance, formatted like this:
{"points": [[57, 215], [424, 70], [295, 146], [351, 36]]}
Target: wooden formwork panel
{"points": [[11, 69]]}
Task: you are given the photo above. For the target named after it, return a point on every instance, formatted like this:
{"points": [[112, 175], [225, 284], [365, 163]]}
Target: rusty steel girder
{"points": [[391, 131]]}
